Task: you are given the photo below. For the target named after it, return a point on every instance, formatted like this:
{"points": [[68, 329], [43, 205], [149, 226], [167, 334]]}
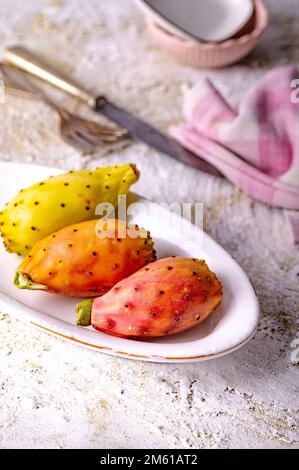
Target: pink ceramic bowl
{"points": [[210, 55]]}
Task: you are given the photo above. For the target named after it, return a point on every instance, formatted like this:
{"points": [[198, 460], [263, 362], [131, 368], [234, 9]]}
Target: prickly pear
{"points": [[83, 260], [59, 201], [168, 296]]}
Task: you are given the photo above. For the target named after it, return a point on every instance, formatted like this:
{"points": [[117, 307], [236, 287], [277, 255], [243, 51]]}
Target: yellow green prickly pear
{"points": [[62, 200]]}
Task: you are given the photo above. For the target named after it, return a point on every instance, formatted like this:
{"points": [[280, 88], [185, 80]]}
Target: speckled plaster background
{"points": [[57, 395]]}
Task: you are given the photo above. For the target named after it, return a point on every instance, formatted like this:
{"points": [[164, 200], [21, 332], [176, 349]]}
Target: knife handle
{"points": [[23, 59]]}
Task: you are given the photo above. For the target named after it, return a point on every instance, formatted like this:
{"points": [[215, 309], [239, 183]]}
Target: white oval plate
{"points": [[203, 20], [228, 328]]}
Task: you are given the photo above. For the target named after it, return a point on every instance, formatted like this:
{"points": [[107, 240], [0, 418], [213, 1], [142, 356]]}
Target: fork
{"points": [[81, 133]]}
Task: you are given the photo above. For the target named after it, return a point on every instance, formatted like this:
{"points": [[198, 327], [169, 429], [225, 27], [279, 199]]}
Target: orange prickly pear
{"points": [[168, 296], [82, 260], [61, 200]]}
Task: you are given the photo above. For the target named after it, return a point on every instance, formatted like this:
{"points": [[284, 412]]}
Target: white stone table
{"points": [[54, 394]]}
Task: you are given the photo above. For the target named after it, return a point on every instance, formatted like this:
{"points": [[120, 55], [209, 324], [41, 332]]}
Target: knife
{"points": [[22, 59]]}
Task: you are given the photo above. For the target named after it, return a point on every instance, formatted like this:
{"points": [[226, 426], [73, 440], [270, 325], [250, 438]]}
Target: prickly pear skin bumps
{"points": [[75, 261], [166, 297], [62, 200]]}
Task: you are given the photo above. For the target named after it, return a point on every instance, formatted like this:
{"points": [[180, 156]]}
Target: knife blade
{"points": [[151, 136], [22, 59]]}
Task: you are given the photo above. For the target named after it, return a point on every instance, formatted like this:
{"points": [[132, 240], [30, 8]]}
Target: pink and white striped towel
{"points": [[257, 148]]}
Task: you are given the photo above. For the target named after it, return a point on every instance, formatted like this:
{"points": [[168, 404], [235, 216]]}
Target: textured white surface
{"points": [[54, 394]]}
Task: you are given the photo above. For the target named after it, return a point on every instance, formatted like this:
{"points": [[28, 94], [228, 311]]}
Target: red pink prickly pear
{"points": [[83, 260], [166, 297]]}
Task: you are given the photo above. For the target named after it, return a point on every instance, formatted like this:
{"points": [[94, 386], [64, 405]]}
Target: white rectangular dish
{"points": [[202, 20]]}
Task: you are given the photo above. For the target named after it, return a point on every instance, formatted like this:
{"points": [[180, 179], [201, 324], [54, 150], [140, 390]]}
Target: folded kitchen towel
{"points": [[257, 147]]}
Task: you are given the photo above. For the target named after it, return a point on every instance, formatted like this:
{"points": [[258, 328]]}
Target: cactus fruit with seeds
{"points": [[62, 200], [85, 259], [166, 297]]}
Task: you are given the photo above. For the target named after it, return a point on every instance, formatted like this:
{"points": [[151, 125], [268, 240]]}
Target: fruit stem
{"points": [[24, 281], [83, 312]]}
